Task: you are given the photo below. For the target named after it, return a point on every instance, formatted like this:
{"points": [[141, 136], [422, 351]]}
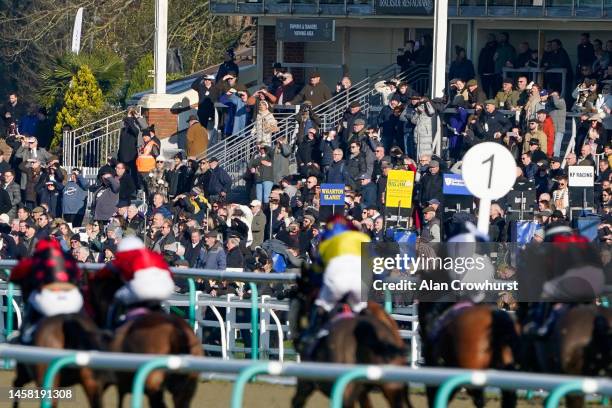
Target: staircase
{"points": [[90, 145], [235, 151]]}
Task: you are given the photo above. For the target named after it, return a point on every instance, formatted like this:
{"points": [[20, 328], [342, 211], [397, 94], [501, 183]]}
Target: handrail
{"points": [[238, 147], [307, 370]]}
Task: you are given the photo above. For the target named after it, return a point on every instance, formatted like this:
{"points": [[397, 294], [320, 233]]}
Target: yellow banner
{"points": [[400, 184]]}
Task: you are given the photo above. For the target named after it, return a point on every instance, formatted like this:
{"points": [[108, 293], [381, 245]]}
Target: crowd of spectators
{"points": [[191, 211]]}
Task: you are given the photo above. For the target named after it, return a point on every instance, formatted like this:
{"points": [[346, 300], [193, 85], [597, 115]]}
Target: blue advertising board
{"points": [[454, 184], [332, 194]]}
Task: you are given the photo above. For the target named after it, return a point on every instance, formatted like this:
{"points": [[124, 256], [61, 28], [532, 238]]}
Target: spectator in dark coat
{"points": [[368, 191], [50, 194], [135, 221], [492, 124], [228, 66], [338, 172], [356, 164], [431, 184], [234, 257], [5, 202], [476, 96], [220, 182], [329, 142], [392, 131], [315, 91], [177, 177], [207, 95], [128, 141], [212, 255], [461, 67], [106, 196], [486, 65], [307, 151], [127, 189], [352, 114], [193, 248]]}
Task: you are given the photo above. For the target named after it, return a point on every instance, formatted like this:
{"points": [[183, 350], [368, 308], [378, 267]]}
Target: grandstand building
{"points": [[364, 35]]}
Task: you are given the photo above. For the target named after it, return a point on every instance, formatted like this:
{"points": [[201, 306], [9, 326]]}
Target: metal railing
{"points": [[341, 374], [91, 144], [264, 318], [235, 151], [456, 8]]}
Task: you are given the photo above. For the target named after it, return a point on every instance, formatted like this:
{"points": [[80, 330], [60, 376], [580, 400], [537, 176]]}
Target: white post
{"points": [[161, 44], [438, 66]]}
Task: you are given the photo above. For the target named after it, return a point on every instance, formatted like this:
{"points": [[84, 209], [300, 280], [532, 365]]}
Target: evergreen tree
{"points": [[140, 78], [82, 100]]}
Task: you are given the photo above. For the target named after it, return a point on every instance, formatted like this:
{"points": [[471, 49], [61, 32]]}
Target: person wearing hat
{"points": [[535, 134], [476, 96], [492, 124], [219, 183], [49, 282], [315, 91], [147, 278], [305, 149], [368, 190], [147, 154], [51, 196], [352, 113], [197, 138], [286, 90], [430, 231], [29, 150], [507, 98], [228, 66], [106, 196], [207, 95], [212, 256], [431, 183], [178, 176]]}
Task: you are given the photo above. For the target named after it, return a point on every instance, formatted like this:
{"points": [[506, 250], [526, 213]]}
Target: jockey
{"points": [[340, 262], [48, 280], [563, 271], [148, 280]]}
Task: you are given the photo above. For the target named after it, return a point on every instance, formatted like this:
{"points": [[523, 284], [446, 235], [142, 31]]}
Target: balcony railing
{"points": [[577, 9]]}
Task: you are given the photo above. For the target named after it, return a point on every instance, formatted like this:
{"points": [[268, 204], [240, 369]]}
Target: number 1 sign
{"points": [[489, 172]]}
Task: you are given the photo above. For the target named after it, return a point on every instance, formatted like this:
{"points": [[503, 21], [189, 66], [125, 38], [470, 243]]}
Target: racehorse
{"points": [[468, 336], [67, 331], [151, 332], [370, 338], [580, 343]]}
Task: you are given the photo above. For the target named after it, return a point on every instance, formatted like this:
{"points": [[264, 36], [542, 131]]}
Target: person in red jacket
{"points": [[548, 127]]}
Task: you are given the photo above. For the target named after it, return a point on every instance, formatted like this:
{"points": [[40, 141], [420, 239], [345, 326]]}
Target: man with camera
{"points": [[287, 90], [29, 150]]}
